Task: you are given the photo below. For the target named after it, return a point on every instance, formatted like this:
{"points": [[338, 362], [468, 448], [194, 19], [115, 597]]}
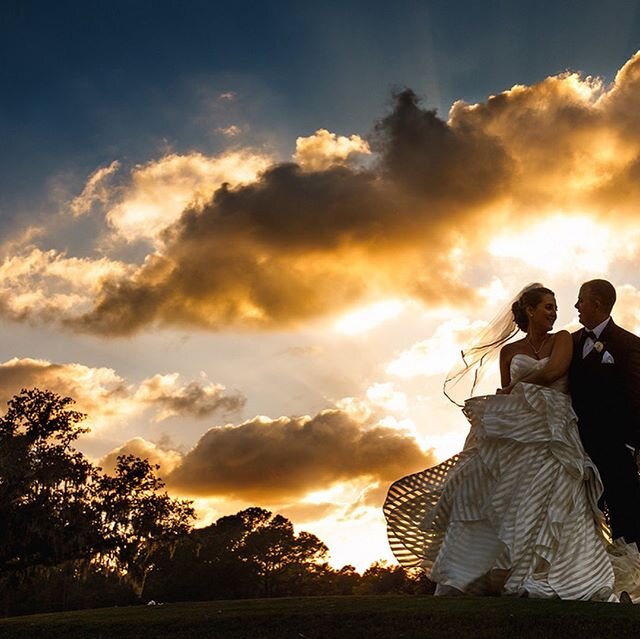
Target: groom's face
{"points": [[588, 308]]}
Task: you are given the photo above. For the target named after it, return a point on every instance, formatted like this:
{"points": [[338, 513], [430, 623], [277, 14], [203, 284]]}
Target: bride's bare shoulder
{"points": [[562, 336], [510, 349]]}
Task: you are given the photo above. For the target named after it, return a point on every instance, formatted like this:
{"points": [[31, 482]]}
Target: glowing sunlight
{"points": [[364, 319], [560, 244]]}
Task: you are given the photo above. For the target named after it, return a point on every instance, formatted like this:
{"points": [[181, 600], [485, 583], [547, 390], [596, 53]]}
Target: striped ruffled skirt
{"points": [[516, 512]]}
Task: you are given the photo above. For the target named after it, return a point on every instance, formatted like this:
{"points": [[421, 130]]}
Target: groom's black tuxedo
{"points": [[605, 391]]}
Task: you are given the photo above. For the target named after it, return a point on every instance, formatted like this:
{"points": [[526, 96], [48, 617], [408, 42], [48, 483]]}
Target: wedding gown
{"points": [[517, 507]]}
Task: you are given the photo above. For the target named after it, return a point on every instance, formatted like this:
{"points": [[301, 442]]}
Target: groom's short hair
{"points": [[603, 291]]}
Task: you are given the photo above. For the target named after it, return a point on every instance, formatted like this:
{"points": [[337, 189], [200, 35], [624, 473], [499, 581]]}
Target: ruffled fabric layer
{"points": [[516, 511], [625, 560]]}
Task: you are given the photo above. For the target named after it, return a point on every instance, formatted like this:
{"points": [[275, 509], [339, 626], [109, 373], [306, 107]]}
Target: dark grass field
{"points": [[337, 617]]}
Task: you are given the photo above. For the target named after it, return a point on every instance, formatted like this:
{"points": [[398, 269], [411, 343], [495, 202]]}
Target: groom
{"points": [[605, 390]]}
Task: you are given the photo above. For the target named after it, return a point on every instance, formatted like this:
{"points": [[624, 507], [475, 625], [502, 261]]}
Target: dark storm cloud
{"points": [[288, 457], [194, 399], [191, 399], [438, 162], [296, 245]]}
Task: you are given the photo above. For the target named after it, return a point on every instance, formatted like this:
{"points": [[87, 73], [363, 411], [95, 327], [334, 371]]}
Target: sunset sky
{"points": [[250, 239]]}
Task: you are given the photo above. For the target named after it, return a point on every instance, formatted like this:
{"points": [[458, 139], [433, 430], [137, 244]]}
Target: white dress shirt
{"points": [[589, 343]]}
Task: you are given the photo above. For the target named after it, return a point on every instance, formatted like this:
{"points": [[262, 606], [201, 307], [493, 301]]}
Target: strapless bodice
{"points": [[523, 364]]}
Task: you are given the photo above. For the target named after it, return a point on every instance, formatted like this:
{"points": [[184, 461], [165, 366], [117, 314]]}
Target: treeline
{"points": [[255, 553], [72, 536], [251, 554]]}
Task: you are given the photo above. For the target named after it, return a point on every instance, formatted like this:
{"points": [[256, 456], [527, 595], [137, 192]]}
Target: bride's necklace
{"points": [[536, 351]]}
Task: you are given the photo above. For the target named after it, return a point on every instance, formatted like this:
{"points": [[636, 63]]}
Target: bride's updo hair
{"points": [[530, 298]]}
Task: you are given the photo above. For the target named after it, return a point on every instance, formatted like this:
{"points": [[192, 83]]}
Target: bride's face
{"points": [[543, 316]]}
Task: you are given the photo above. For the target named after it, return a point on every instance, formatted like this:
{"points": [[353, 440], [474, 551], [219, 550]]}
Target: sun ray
{"points": [[366, 318]]}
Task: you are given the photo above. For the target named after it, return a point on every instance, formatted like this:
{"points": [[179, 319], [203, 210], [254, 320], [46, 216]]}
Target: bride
{"points": [[516, 512]]}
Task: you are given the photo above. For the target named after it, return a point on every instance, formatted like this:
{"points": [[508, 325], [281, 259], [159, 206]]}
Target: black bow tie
{"points": [[590, 334]]}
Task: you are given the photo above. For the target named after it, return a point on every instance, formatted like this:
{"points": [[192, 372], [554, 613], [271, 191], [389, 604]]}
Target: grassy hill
{"points": [[337, 618]]}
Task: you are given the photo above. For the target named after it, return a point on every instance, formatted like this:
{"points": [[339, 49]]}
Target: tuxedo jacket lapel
{"points": [[608, 333]]}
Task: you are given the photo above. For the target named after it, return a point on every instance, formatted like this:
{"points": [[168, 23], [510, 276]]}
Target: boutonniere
{"points": [[599, 346]]}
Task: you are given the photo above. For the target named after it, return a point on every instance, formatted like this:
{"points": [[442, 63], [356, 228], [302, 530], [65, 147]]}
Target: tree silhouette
{"points": [[137, 520], [273, 547], [253, 553], [48, 511], [57, 508]]}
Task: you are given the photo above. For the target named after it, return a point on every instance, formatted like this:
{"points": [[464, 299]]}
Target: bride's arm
{"points": [[555, 368], [505, 363]]}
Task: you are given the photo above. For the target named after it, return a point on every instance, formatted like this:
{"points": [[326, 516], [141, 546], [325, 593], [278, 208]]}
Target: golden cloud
{"points": [[324, 149], [99, 392], [289, 457], [166, 459], [95, 190], [107, 398], [295, 245], [291, 247], [48, 285], [283, 244], [574, 142], [159, 191]]}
